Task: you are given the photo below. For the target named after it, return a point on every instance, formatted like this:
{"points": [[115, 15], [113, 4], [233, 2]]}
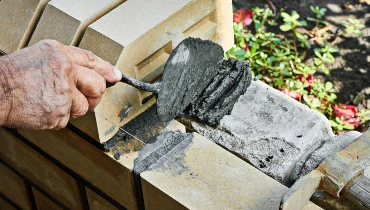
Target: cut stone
{"points": [[18, 19], [130, 41], [43, 202], [89, 162], [14, 188], [96, 202], [269, 130], [63, 22], [205, 175], [40, 170], [5, 205]]}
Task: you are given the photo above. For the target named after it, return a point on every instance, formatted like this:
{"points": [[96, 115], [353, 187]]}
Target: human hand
{"points": [[43, 86]]}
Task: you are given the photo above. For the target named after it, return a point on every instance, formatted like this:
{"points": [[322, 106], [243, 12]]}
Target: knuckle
{"points": [[89, 57]]}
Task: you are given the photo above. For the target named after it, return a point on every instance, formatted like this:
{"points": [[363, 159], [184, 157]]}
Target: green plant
{"points": [[280, 61]]}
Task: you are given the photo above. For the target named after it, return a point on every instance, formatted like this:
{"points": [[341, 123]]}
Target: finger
{"points": [[89, 83], [80, 105], [93, 102], [90, 60], [62, 123]]}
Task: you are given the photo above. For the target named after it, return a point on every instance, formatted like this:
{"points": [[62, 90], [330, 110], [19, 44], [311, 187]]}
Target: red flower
{"points": [[353, 121], [310, 79], [292, 94], [243, 14], [348, 111]]}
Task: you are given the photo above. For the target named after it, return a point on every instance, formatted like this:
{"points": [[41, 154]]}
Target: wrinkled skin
{"points": [[43, 86]]}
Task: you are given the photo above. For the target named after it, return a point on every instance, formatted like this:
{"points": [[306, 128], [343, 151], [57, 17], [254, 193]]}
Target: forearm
{"points": [[5, 89]]}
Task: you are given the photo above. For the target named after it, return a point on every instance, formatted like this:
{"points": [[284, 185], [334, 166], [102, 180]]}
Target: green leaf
{"points": [[315, 103], [285, 16], [328, 85], [333, 123], [239, 52], [285, 27], [311, 19], [276, 74], [295, 16]]}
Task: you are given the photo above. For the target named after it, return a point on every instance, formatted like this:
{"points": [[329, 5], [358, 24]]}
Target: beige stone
{"points": [[89, 162], [14, 188], [138, 40], [43, 202], [5, 205], [96, 202], [67, 20], [206, 176], [18, 19], [40, 170]]}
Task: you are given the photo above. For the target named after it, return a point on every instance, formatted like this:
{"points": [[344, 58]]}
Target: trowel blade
{"points": [[190, 68]]}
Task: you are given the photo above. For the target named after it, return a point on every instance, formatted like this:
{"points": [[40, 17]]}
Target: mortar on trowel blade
{"points": [[197, 83]]}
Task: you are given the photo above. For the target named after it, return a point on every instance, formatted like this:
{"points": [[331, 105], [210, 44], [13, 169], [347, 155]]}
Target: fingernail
{"points": [[117, 73]]}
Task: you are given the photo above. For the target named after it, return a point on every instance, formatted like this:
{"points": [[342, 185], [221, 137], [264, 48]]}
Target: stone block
{"points": [[14, 188], [40, 170], [43, 202], [269, 130], [67, 20], [89, 162], [140, 44], [5, 205], [188, 171], [96, 202], [18, 19]]}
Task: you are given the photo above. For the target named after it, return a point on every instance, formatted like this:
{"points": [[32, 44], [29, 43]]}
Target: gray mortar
{"points": [[168, 151], [221, 94], [265, 123], [190, 68]]}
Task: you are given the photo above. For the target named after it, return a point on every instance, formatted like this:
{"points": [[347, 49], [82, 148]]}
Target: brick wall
{"points": [[89, 164]]}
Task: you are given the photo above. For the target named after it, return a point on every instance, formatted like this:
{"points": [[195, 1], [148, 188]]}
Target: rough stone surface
{"points": [[269, 130], [189, 69], [133, 44], [20, 13], [220, 95], [89, 162], [96, 202], [14, 188], [206, 176], [40, 170], [43, 202], [63, 22]]}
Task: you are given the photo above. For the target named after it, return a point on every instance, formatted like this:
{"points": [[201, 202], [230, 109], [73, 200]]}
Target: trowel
{"points": [[195, 73]]}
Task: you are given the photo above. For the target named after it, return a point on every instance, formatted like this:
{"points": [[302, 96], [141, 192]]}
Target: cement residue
{"points": [[189, 69], [219, 97], [331, 146], [145, 127], [167, 152]]}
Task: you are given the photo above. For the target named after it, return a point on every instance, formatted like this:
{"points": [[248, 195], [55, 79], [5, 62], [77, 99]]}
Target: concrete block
{"points": [[89, 162], [96, 202], [5, 205], [188, 171], [67, 20], [14, 188], [18, 19], [40, 170], [140, 44], [269, 130], [43, 202]]}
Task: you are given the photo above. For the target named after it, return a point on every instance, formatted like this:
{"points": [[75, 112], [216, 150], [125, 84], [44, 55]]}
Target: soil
{"points": [[351, 71]]}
